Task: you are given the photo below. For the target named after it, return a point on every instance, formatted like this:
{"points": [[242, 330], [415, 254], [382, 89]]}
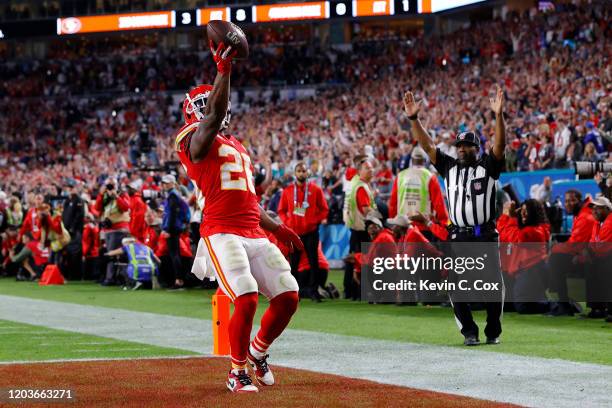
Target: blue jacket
{"points": [[176, 213]]}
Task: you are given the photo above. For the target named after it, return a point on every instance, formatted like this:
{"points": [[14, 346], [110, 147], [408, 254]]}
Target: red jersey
{"points": [[91, 240], [601, 237], [581, 232], [150, 238], [225, 179], [40, 253], [515, 258], [184, 246]]}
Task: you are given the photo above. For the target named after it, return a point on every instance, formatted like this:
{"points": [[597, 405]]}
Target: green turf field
{"points": [[568, 338], [24, 342]]}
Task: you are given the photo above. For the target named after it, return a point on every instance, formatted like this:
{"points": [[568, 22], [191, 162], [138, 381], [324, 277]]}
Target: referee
{"points": [[470, 192]]}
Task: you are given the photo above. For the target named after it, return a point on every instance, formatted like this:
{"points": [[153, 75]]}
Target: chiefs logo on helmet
{"points": [[195, 104]]}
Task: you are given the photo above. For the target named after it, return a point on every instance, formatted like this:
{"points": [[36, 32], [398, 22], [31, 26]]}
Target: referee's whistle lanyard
{"points": [[304, 204]]}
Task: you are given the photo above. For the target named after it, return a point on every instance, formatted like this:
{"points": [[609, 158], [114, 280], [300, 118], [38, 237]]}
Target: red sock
{"points": [[240, 327], [274, 321]]}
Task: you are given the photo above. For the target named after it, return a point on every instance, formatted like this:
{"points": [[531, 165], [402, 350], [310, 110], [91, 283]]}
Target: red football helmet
{"points": [[195, 103]]}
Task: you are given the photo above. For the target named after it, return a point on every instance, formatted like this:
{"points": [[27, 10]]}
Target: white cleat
{"points": [[263, 374], [240, 381]]}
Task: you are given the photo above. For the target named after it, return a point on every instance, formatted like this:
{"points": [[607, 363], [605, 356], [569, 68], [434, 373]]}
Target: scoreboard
{"points": [[284, 12]]}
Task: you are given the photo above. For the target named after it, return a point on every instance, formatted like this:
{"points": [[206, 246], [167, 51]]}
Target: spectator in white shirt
{"points": [[446, 145], [562, 140], [542, 192]]}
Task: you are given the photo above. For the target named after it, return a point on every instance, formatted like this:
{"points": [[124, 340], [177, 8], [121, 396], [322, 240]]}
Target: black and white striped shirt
{"points": [[470, 190]]}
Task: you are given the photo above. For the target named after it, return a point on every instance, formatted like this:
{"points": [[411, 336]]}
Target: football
{"points": [[230, 34]]}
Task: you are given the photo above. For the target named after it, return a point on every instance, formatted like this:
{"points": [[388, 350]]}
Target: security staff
{"points": [[303, 208], [358, 202], [470, 191], [416, 193]]}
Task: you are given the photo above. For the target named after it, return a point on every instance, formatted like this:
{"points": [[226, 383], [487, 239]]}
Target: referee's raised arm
{"points": [[412, 108], [497, 105]]}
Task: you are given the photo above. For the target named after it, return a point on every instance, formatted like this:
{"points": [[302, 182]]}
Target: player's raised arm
{"points": [[216, 108], [497, 104], [412, 108]]}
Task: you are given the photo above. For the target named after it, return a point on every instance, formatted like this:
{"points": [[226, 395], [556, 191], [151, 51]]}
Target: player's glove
{"points": [[222, 57], [288, 237]]}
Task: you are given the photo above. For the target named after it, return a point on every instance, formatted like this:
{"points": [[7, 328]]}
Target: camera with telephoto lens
{"points": [[589, 169], [150, 194], [106, 223]]}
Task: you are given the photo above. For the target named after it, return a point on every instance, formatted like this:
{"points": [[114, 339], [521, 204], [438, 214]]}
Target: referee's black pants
{"points": [[307, 280], [463, 310], [352, 290]]}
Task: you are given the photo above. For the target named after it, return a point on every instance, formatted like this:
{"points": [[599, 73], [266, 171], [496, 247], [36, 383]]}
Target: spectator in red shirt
{"points": [[599, 279], [378, 235], [152, 230], [138, 209], [91, 248], [32, 250], [30, 223], [9, 240], [303, 208], [566, 256], [383, 179], [411, 241], [524, 234], [404, 231]]}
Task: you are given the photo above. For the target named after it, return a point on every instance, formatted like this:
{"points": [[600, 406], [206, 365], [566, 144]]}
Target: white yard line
{"points": [[530, 381], [87, 360]]}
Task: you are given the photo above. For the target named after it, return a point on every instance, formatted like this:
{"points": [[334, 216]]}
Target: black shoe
{"points": [[596, 314], [315, 297], [560, 309], [609, 319], [333, 291], [493, 340], [471, 341]]}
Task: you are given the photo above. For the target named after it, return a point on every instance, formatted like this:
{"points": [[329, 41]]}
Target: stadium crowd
{"points": [[78, 122]]}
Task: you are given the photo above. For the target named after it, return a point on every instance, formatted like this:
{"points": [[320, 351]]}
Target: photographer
{"points": [[524, 233], [114, 207], [142, 143]]}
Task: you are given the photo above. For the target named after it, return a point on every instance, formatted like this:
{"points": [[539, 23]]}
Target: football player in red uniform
{"points": [[233, 241]]}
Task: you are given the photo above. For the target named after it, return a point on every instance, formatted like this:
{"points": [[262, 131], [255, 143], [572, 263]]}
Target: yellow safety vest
{"points": [[352, 217], [413, 191]]}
